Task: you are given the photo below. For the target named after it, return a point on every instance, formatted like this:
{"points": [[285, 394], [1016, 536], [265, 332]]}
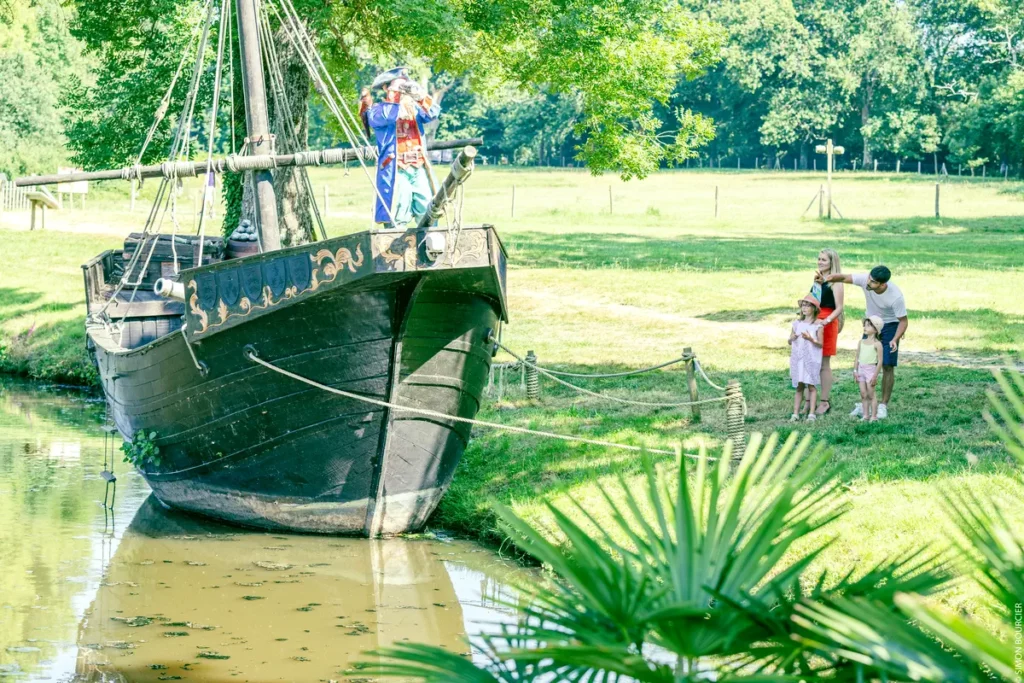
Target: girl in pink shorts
{"points": [[866, 366]]}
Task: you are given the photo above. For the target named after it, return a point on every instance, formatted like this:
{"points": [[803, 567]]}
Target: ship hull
{"points": [[245, 444]]}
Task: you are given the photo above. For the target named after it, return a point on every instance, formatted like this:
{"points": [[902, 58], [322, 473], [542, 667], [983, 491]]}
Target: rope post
{"points": [[734, 418], [532, 380], [691, 382]]}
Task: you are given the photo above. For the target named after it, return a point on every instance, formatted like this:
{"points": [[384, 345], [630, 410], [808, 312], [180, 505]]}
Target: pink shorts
{"points": [[865, 373]]}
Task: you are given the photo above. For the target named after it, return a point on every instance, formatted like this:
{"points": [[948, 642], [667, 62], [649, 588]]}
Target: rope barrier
{"points": [[700, 371], [647, 404], [252, 356], [610, 375]]}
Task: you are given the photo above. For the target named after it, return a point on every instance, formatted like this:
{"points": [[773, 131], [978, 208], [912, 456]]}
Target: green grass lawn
{"points": [[594, 290]]}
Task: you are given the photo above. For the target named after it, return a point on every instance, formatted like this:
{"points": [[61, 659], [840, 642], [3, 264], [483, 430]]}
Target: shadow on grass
{"points": [[935, 422], [986, 250], [994, 329]]}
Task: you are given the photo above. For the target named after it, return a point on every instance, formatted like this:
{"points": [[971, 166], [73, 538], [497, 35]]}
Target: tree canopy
{"points": [[39, 61], [615, 62]]}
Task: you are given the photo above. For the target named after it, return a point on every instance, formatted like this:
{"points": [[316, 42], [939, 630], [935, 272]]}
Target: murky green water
{"points": [[140, 593]]}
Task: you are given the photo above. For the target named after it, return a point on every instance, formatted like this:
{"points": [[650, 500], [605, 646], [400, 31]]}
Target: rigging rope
{"points": [[212, 134], [299, 38], [251, 355], [649, 404], [284, 112]]}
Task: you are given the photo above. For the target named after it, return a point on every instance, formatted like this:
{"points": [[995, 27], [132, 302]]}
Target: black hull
{"points": [[244, 444]]}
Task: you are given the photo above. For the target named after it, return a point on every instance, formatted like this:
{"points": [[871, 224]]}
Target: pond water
{"points": [[140, 593]]}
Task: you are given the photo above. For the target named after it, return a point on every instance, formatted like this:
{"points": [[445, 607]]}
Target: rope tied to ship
{"points": [[250, 353], [626, 401]]}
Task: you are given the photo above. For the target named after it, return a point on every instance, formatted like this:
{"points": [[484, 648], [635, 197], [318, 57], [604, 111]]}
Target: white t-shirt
{"points": [[889, 305]]}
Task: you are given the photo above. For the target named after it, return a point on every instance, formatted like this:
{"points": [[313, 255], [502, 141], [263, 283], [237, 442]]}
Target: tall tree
{"points": [[39, 61]]}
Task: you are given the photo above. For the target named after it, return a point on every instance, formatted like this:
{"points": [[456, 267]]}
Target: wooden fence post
{"points": [[821, 201], [691, 383], [611, 205], [936, 200]]}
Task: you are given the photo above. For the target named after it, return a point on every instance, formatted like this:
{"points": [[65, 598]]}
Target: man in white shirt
{"points": [[885, 300]]}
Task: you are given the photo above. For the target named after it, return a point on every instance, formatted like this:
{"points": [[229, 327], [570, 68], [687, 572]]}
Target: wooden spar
{"points": [[257, 121], [461, 168], [338, 155]]}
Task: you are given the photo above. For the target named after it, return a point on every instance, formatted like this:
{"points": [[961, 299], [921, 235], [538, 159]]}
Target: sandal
{"points": [[825, 412]]}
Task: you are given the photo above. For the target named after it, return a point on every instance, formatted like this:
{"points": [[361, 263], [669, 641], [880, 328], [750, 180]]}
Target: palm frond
{"points": [[971, 639], [1007, 420], [430, 664], [858, 631], [991, 546]]}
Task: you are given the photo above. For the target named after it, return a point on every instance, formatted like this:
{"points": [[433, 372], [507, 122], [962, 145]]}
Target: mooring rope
{"points": [[251, 355], [647, 404]]}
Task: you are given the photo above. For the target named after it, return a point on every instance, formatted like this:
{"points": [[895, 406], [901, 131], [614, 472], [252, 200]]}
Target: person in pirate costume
{"points": [[404, 184]]}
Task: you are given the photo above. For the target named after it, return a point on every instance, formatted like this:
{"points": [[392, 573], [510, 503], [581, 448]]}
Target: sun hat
{"points": [[876, 322], [811, 299]]}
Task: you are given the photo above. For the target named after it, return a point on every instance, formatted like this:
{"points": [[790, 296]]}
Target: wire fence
{"points": [[936, 167]]}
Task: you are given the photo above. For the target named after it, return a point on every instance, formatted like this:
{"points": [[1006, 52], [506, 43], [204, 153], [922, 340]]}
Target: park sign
{"points": [[74, 187]]}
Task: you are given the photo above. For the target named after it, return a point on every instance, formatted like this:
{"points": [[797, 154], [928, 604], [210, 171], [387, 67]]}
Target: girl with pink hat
{"points": [[805, 357], [865, 366]]}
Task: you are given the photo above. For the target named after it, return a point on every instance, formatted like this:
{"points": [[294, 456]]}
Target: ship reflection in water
{"points": [[183, 597], [144, 594]]}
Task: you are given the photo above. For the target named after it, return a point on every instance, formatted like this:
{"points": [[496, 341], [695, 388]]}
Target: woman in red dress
{"points": [[830, 318]]}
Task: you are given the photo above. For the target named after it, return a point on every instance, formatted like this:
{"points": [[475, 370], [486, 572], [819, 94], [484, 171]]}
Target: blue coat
{"points": [[383, 119]]}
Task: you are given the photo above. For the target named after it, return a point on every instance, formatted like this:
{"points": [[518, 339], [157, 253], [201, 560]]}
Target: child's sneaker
{"points": [[883, 411], [812, 417], [858, 410], [794, 418]]}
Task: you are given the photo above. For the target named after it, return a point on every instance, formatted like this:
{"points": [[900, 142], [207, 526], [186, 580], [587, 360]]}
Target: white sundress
{"points": [[804, 357]]}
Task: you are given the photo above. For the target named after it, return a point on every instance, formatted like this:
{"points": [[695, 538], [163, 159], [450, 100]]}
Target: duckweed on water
{"points": [[134, 621], [272, 566], [175, 634], [252, 597], [209, 654], [157, 667]]}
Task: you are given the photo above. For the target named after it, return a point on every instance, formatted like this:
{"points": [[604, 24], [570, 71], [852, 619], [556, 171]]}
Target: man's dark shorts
{"points": [[890, 358]]}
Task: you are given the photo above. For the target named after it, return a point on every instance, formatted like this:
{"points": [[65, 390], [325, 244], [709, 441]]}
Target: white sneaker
{"points": [[812, 417], [883, 411], [794, 418], [858, 410]]}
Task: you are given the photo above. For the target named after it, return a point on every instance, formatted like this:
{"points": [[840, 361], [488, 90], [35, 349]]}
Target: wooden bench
{"points": [[44, 200]]}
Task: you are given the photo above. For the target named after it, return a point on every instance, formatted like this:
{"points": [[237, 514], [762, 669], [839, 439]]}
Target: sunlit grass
{"points": [[596, 291]]}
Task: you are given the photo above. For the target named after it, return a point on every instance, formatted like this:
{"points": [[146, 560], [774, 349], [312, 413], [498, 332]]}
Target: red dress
{"points": [[830, 333]]}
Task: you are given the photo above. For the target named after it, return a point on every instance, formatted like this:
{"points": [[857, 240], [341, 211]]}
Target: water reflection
{"points": [[146, 594]]}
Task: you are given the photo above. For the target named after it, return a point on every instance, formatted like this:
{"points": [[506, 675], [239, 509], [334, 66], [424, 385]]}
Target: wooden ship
{"points": [[399, 317]]}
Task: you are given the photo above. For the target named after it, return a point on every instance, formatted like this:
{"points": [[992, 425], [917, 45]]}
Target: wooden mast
{"points": [[257, 120]]}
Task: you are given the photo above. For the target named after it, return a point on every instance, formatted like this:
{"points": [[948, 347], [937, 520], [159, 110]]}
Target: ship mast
{"points": [[257, 120]]}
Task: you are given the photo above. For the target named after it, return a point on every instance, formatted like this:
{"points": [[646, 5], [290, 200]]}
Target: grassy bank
{"points": [[597, 290]]}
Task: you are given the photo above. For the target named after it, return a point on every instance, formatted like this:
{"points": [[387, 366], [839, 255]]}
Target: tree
{"points": [[38, 61], [618, 62]]}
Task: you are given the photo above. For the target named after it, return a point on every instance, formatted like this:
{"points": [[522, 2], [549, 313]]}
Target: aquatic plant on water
{"points": [[705, 573]]}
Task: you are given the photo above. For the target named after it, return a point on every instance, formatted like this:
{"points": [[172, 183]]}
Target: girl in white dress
{"points": [[805, 357]]}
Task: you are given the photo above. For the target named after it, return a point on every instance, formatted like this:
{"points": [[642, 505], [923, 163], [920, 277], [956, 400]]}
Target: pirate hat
{"points": [[385, 78]]}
